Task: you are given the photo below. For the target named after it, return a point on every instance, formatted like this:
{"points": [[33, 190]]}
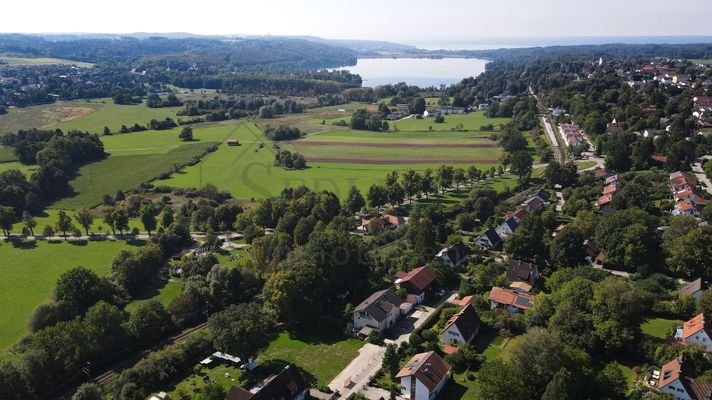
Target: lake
{"points": [[416, 71]]}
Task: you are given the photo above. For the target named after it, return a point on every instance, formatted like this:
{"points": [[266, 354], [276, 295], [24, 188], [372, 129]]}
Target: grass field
{"points": [[28, 273], [43, 61], [585, 165], [224, 375], [123, 173], [659, 327], [25, 169], [90, 116], [7, 154], [704, 62], [165, 294], [247, 171], [322, 360]]}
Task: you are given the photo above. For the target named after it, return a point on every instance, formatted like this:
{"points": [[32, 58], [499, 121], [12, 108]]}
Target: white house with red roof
{"points": [[676, 380], [417, 282], [696, 331], [462, 327], [511, 300], [424, 376]]}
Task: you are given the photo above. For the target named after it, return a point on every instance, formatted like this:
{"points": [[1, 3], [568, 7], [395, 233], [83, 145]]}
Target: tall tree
{"points": [[354, 201], [29, 221], [64, 223], [148, 217], [521, 164], [7, 219], [84, 218], [240, 329]]}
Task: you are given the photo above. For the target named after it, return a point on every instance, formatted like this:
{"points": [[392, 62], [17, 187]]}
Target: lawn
{"points": [[704, 62], [164, 292], [29, 272], [224, 375], [319, 359], [25, 169], [585, 165], [43, 61], [90, 116], [471, 122], [659, 327], [123, 173]]}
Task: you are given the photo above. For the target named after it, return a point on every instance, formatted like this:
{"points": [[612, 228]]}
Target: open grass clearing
{"points": [[7, 154], [30, 270], [91, 116], [43, 61], [320, 359], [164, 291], [25, 169], [585, 165], [123, 173], [471, 122]]}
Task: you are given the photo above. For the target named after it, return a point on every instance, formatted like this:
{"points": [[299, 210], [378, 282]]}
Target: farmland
{"points": [[90, 116], [27, 278]]}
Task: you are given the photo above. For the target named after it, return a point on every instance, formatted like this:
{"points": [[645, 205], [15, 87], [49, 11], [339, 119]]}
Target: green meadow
{"points": [[43, 61], [91, 116], [29, 271]]}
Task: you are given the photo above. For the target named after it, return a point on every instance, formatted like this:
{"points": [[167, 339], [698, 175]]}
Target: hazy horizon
{"points": [[398, 21]]}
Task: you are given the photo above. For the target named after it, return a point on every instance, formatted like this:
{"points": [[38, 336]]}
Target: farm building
{"points": [[233, 142]]}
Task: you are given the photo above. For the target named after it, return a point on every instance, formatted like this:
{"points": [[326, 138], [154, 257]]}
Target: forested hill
{"points": [[616, 51], [238, 53]]}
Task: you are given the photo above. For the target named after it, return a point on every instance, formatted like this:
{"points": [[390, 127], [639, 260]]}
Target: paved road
{"points": [[554, 140], [356, 375], [701, 176]]}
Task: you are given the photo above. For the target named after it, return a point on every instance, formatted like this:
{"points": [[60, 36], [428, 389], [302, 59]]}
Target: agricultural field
{"points": [[470, 122], [90, 116], [42, 61], [27, 278], [336, 159]]}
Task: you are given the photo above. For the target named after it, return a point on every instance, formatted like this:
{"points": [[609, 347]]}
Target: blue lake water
{"points": [[416, 71]]}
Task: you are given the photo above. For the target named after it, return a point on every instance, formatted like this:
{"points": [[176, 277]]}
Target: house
{"points": [[533, 204], [510, 300], [677, 381], [462, 327], [233, 142], [403, 109], [386, 221], [483, 106], [613, 127], [289, 384], [601, 173], [686, 207], [416, 282], [693, 289], [463, 301], [519, 214], [604, 200], [508, 227], [520, 286], [452, 110], [424, 376], [489, 240], [542, 194], [520, 271], [615, 179], [696, 331], [431, 113], [454, 256], [379, 311], [613, 188]]}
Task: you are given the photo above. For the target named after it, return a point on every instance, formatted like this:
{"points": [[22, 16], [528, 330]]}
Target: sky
{"points": [[406, 21]]}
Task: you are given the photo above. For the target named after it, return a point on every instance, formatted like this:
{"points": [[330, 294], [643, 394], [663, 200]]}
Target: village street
{"points": [[700, 174]]}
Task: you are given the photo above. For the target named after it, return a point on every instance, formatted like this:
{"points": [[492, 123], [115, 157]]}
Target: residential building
{"points": [[508, 227], [489, 240], [510, 300], [452, 110], [533, 204], [519, 214], [417, 282], [454, 256], [604, 201], [483, 106], [520, 271], [386, 221], [542, 194], [677, 381], [379, 311], [424, 376], [696, 331], [694, 289], [289, 384], [462, 327]]}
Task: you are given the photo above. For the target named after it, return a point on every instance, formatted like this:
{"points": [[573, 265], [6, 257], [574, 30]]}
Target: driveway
{"points": [[406, 325], [354, 378]]}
